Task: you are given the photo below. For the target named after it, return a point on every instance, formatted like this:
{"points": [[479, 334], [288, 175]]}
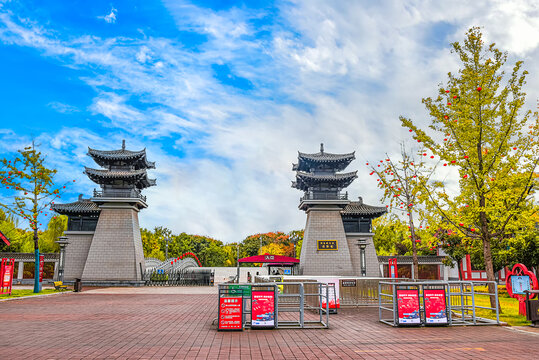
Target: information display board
{"points": [[230, 313], [408, 307], [519, 284], [435, 307], [262, 309]]}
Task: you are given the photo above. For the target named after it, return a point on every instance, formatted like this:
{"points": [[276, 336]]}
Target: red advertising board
{"points": [[408, 307], [262, 309], [435, 307], [41, 265], [230, 313], [6, 275]]}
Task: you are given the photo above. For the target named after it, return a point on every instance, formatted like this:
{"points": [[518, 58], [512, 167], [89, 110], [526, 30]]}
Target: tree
{"points": [[33, 189], [402, 182], [486, 141]]}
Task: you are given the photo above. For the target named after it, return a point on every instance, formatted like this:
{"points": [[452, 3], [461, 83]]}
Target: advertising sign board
{"points": [[519, 284], [262, 309], [333, 292], [348, 283], [6, 275], [41, 265], [408, 307], [435, 307], [230, 313]]}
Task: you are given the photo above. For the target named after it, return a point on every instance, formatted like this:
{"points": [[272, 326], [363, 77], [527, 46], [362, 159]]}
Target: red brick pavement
{"points": [[114, 326]]}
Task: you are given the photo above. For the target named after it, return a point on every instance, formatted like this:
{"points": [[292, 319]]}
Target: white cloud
{"points": [[110, 17], [334, 72], [63, 108]]}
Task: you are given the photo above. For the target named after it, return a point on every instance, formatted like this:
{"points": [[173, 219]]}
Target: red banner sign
{"points": [[263, 308], [6, 275], [230, 313], [435, 306], [41, 265], [408, 307]]}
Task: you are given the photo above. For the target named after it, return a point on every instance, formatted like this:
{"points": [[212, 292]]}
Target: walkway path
{"points": [[163, 324]]}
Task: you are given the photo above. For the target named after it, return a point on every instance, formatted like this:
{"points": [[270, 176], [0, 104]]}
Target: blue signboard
{"points": [[287, 271], [519, 284]]}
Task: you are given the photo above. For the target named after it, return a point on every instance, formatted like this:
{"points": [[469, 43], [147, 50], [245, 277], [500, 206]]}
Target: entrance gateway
{"points": [[338, 234]]}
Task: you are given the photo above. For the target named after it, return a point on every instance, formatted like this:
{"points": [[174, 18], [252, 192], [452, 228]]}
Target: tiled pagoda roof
{"points": [[316, 178], [82, 206], [358, 208], [322, 159], [305, 180], [139, 177], [106, 157]]}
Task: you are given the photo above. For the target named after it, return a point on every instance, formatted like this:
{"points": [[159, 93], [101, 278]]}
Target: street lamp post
{"points": [[62, 241], [238, 266], [166, 248], [362, 245]]}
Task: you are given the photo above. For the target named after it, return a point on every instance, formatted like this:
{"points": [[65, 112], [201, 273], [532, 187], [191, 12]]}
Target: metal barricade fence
{"points": [[179, 277], [295, 306], [461, 302]]}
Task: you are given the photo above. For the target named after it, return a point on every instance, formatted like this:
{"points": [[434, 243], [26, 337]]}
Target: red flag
{"points": [[4, 239]]}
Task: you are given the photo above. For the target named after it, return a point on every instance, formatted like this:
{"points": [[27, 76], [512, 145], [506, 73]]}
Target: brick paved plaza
{"points": [[166, 323]]}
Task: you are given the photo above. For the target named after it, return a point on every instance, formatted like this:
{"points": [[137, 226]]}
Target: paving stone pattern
{"points": [[167, 326]]}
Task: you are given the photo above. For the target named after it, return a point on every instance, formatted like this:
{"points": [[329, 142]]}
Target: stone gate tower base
{"points": [[115, 255], [324, 223]]}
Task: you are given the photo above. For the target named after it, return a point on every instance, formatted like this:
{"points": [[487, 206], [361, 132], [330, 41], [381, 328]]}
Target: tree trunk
{"points": [[415, 261], [459, 263], [489, 268], [487, 254], [37, 284]]}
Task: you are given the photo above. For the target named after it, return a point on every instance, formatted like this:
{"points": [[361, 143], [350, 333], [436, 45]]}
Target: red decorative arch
{"points": [[520, 270], [190, 254]]}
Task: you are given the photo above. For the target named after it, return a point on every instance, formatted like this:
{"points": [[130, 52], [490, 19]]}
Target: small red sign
{"points": [[230, 313], [6, 275], [435, 306], [41, 265], [408, 307], [263, 309]]}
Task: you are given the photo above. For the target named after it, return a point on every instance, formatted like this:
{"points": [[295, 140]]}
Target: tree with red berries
{"points": [[33, 191], [403, 184], [481, 133]]}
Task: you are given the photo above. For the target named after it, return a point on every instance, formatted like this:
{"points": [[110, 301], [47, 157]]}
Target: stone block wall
{"points": [[76, 253], [116, 251], [371, 259], [325, 223]]}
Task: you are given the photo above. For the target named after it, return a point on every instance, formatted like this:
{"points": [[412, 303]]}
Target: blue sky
{"points": [[224, 93]]}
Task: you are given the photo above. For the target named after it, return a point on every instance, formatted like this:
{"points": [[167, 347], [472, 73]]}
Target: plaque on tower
{"points": [[323, 245]]}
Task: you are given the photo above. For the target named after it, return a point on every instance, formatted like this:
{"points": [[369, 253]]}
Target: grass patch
{"points": [[27, 292], [508, 304]]}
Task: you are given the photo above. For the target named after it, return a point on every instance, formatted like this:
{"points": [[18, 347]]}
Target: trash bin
{"points": [[532, 307], [78, 285]]}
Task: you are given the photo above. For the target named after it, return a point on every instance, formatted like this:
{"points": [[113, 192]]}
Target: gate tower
{"points": [[328, 248], [104, 234]]}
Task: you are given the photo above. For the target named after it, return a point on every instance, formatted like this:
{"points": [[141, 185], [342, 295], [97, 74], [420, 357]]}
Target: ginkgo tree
{"points": [[29, 191], [402, 181], [481, 133]]}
